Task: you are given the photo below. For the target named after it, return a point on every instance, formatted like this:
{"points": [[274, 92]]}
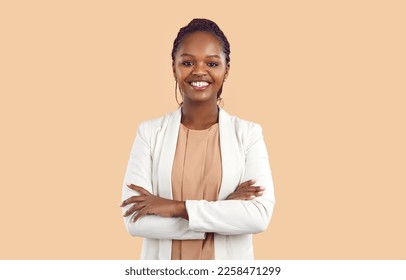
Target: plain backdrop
{"points": [[325, 79]]}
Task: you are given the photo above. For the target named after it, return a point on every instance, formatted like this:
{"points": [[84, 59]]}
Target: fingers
{"points": [[246, 191], [134, 208], [246, 184], [140, 214], [249, 195], [130, 211], [136, 198], [253, 195], [254, 189], [244, 195], [133, 199], [139, 189], [139, 202]]}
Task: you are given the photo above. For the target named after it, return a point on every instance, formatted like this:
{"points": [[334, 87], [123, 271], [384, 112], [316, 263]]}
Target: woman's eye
{"points": [[212, 64], [187, 63]]}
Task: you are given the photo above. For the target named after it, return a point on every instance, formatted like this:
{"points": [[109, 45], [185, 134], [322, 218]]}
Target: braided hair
{"points": [[202, 25]]}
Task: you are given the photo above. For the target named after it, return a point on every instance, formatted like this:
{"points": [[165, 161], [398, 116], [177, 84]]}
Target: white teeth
{"points": [[199, 84]]}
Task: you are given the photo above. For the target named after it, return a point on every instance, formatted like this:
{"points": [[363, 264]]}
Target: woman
{"points": [[198, 182]]}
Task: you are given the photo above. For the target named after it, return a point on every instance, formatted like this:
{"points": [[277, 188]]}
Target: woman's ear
{"points": [[227, 70], [173, 70]]}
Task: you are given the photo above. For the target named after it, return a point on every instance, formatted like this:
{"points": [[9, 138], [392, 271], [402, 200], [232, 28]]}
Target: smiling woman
{"points": [[198, 182], [200, 67]]}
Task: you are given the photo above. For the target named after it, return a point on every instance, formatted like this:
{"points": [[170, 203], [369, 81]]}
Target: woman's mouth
{"points": [[200, 85]]}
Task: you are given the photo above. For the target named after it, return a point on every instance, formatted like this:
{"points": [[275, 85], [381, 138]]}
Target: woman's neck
{"points": [[199, 116]]}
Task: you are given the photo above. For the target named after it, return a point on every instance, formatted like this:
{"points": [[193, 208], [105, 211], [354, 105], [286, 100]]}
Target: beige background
{"points": [[325, 79]]}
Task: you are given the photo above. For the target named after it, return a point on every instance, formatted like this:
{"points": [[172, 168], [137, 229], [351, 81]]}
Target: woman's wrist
{"points": [[180, 210]]}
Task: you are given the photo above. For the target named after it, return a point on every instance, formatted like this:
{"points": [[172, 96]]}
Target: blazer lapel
{"points": [[232, 169], [169, 141]]}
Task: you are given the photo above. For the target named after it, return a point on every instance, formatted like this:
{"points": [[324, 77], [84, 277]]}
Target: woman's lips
{"points": [[200, 85]]}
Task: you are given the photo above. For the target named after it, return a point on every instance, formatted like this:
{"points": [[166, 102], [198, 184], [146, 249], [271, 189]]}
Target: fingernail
{"points": [[253, 181], [260, 193], [252, 196], [262, 188]]}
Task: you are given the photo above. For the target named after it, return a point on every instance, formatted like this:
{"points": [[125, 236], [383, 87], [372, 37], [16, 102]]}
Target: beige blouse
{"points": [[196, 174]]}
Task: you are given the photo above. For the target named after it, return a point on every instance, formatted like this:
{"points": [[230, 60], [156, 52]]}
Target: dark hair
{"points": [[202, 25]]}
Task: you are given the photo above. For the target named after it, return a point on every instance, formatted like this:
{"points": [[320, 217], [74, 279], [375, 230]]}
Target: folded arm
{"points": [[232, 217], [139, 172]]}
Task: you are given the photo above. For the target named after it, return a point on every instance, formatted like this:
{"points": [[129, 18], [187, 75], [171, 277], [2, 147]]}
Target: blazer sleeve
{"points": [[139, 172], [233, 217]]}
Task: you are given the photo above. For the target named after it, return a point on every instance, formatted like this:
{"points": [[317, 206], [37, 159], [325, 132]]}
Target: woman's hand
{"points": [[149, 204], [245, 191]]}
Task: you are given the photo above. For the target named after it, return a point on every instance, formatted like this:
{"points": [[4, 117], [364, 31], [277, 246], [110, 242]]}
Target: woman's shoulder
{"points": [[158, 121], [246, 131], [242, 124], [155, 121]]}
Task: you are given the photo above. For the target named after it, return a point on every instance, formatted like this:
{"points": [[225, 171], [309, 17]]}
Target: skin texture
{"points": [[199, 58]]}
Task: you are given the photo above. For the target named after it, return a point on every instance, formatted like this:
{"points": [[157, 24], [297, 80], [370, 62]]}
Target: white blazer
{"points": [[244, 157]]}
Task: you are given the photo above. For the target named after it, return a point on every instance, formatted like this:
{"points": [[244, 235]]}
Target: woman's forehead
{"points": [[200, 42]]}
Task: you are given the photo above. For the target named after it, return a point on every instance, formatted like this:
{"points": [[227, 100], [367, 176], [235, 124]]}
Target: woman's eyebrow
{"points": [[212, 55]]}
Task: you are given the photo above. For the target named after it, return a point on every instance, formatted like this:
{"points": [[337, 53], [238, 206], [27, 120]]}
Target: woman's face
{"points": [[200, 67]]}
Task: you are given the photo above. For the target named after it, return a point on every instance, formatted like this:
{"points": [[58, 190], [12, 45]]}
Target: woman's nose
{"points": [[199, 70]]}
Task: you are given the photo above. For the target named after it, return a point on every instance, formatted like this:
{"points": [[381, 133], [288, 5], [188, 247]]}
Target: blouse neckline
{"points": [[199, 130]]}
